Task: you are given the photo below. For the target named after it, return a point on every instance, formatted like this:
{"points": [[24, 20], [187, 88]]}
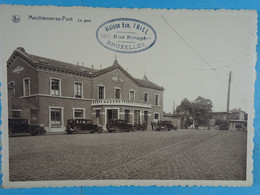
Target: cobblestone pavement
{"points": [[182, 155]]}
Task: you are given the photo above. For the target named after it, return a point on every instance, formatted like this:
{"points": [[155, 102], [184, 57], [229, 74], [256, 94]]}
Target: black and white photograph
{"points": [[103, 96]]}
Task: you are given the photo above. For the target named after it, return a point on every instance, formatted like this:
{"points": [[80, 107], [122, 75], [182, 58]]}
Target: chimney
{"points": [[82, 63], [100, 66], [77, 63], [92, 66]]}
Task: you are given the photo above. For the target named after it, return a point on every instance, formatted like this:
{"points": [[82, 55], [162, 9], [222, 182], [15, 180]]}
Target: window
{"points": [[127, 115], [131, 95], [145, 97], [16, 114], [101, 92], [26, 87], [114, 114], [78, 90], [11, 86], [78, 113], [156, 117], [146, 116], [117, 93], [56, 117], [156, 100], [55, 87]]}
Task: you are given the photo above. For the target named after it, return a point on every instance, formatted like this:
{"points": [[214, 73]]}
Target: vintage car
{"points": [[117, 125], [140, 126], [17, 125], [81, 125], [165, 125]]}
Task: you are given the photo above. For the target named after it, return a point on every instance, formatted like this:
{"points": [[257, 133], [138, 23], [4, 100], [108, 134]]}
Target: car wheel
{"points": [[100, 130], [36, 132], [134, 129], [77, 130], [41, 132]]}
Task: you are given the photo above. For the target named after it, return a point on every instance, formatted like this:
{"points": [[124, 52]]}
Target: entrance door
{"points": [[112, 114]]}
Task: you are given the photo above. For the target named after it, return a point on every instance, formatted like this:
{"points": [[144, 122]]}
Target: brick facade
{"points": [[50, 92]]}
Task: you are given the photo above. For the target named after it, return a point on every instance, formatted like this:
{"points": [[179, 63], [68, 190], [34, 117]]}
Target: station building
{"points": [[50, 92]]}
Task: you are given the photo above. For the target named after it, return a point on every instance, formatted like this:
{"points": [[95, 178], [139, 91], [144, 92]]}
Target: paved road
{"points": [[185, 155]]}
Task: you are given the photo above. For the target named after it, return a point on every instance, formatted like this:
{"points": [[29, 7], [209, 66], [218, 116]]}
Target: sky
{"points": [[192, 56]]}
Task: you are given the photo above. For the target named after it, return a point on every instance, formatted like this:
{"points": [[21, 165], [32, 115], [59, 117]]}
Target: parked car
{"points": [[140, 126], [79, 125], [17, 125], [117, 125], [165, 125]]}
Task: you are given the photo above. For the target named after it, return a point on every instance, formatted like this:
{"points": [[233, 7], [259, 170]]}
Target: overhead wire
{"points": [[194, 51]]}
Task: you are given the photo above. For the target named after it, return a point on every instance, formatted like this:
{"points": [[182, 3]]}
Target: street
{"points": [[175, 155]]}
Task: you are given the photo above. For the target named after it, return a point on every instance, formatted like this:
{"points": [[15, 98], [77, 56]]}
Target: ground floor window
{"points": [[127, 116], [56, 117], [136, 116], [78, 113], [156, 117], [16, 114], [112, 114]]}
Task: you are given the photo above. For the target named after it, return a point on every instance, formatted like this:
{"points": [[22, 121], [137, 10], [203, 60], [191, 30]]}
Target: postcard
{"points": [[120, 97]]}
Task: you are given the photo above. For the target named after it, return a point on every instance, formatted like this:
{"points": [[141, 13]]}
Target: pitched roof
{"points": [[37, 61], [148, 84], [59, 64]]}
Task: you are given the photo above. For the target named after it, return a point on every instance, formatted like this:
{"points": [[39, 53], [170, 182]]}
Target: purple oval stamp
{"points": [[126, 35]]}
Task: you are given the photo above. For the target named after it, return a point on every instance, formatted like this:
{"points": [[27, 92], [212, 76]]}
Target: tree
{"points": [[184, 107], [202, 110], [185, 110]]}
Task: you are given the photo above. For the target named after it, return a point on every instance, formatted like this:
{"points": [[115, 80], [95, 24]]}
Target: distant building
{"points": [[171, 117], [237, 118], [50, 92]]}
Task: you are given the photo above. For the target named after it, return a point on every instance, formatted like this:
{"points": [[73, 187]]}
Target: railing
{"points": [[122, 102]]}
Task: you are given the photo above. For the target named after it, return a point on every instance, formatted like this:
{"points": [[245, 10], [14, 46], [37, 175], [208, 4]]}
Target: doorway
{"points": [[112, 114]]}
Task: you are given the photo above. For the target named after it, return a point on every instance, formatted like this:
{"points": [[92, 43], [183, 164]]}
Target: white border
{"points": [[5, 142]]}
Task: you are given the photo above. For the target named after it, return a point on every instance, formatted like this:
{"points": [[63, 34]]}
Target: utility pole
{"points": [[173, 110], [228, 95]]}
